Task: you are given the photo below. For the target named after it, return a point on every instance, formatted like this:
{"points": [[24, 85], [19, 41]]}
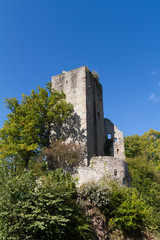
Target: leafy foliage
{"points": [[123, 208], [132, 145], [97, 194], [143, 154], [95, 75], [29, 125], [150, 142], [41, 209], [63, 155], [46, 208], [128, 211], [146, 180], [147, 145]]}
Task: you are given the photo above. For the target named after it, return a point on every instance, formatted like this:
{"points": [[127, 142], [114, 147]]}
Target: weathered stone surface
{"points": [[88, 126], [85, 93], [98, 220], [112, 132], [114, 168]]}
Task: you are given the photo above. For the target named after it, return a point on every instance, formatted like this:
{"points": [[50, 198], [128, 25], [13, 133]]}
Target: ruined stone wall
{"points": [[118, 144], [109, 133], [88, 126], [104, 166], [85, 93], [113, 133]]}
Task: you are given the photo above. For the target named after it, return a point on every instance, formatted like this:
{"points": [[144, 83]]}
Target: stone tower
{"points": [[84, 91]]}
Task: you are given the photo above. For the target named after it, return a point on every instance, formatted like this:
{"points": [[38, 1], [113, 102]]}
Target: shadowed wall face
{"points": [[85, 93], [113, 134], [95, 118]]}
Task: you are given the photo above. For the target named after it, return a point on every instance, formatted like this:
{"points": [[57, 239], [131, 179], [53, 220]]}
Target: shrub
{"points": [[95, 75], [146, 180], [122, 207], [128, 211], [96, 193], [62, 155], [41, 209]]}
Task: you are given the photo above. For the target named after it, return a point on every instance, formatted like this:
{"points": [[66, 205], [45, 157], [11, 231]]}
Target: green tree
{"points": [[41, 209], [30, 124], [145, 179], [132, 145], [150, 145]]}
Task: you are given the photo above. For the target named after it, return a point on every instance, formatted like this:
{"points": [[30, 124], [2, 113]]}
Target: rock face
{"points": [[98, 220], [114, 168]]}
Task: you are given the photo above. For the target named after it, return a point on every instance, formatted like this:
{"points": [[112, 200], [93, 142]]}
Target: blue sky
{"points": [[120, 39]]}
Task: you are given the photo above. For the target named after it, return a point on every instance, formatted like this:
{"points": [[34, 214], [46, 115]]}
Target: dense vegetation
{"points": [[143, 158], [122, 207], [41, 209], [31, 125], [147, 145], [36, 203]]}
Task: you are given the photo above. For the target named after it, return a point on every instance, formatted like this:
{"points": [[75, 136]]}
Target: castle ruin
{"points": [[84, 91]]}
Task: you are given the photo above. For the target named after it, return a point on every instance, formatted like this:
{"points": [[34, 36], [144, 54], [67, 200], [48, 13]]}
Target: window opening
{"points": [[117, 150], [109, 135], [115, 139], [115, 172]]}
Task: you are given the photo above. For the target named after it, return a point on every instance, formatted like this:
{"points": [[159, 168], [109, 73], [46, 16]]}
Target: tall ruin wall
{"points": [[95, 125], [85, 93], [88, 126]]}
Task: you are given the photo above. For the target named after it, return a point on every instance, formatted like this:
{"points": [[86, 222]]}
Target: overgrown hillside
{"points": [[37, 203], [143, 158]]}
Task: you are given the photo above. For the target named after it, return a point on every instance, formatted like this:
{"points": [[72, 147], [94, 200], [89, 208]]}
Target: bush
{"points": [[128, 212], [122, 207], [41, 209], [66, 156], [95, 75], [146, 180], [96, 193]]}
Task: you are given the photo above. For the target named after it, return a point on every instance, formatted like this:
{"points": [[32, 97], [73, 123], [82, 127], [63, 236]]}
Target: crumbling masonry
{"points": [[84, 91]]}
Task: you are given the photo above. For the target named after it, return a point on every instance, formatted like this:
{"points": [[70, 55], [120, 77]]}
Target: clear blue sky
{"points": [[120, 39]]}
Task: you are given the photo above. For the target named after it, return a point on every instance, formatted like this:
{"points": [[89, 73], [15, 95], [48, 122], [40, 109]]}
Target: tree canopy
{"points": [[29, 124], [143, 158], [43, 209], [147, 145]]}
